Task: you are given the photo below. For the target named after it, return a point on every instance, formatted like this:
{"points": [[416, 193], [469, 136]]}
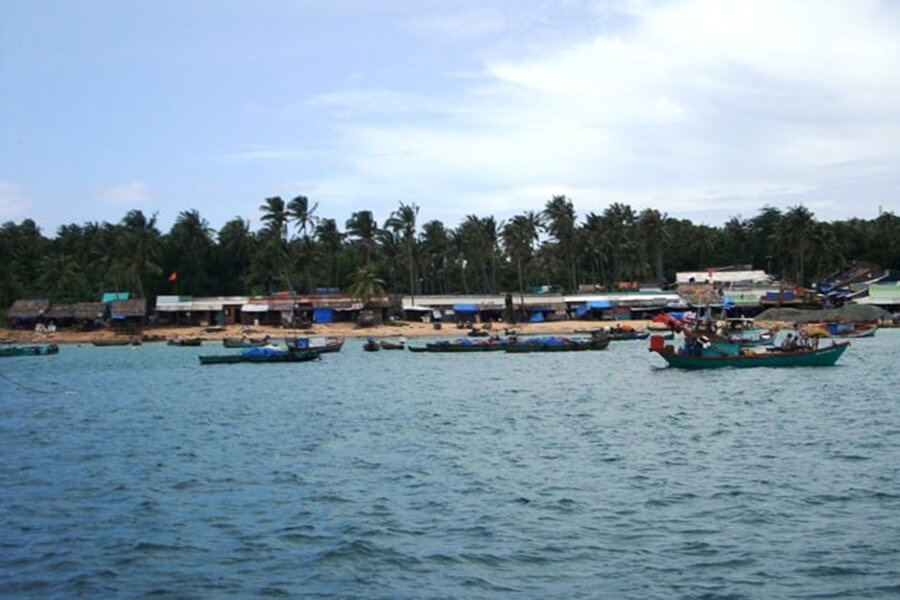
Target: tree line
{"points": [[297, 249]]}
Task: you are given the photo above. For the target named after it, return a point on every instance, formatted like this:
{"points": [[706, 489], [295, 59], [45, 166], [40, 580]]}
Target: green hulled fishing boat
{"points": [[808, 357], [29, 350]]}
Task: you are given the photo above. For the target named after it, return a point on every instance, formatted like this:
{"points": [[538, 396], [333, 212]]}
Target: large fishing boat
{"points": [[704, 353]]}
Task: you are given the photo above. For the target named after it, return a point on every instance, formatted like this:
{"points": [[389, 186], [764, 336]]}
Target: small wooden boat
{"points": [[371, 345], [125, 342], [387, 345], [462, 345], [29, 350], [860, 331], [716, 356], [244, 342], [260, 355], [321, 345], [627, 334], [185, 342]]}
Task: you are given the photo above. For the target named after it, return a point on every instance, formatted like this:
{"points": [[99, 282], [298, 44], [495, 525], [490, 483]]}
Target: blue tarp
{"points": [[727, 302], [541, 308], [465, 308], [537, 317], [775, 295], [581, 310], [323, 315], [599, 304]]}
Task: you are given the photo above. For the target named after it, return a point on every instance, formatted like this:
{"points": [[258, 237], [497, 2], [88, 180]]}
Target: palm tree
{"points": [[559, 214], [702, 245], [436, 249], [519, 236], [332, 241], [61, 277], [300, 212], [275, 217], [236, 249], [362, 226], [365, 283], [191, 238], [792, 235], [403, 221], [141, 246], [618, 227], [652, 225]]}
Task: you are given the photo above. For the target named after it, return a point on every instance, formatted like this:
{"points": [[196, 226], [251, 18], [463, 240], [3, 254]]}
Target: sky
{"points": [[702, 109]]}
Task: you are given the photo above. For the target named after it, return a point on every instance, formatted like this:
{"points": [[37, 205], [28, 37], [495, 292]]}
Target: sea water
{"points": [[138, 473]]}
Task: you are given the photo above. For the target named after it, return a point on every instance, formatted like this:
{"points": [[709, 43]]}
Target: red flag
{"points": [[173, 277]]}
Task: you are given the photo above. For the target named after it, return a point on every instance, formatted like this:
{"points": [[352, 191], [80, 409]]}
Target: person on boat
{"points": [[789, 343]]}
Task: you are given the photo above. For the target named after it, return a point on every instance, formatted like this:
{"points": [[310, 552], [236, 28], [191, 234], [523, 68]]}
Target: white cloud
{"points": [[131, 194], [13, 202], [696, 106]]}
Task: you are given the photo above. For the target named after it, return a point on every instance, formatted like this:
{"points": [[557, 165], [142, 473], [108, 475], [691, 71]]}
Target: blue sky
{"points": [[702, 109]]}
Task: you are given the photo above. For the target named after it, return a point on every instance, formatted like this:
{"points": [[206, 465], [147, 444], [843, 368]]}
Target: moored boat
{"points": [[29, 350], [185, 342], [244, 342], [461, 345], [710, 354], [371, 345], [114, 342], [320, 345], [558, 344], [389, 345], [261, 355]]}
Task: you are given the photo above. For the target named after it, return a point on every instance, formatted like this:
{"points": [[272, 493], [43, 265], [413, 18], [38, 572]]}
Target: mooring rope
{"points": [[33, 389]]}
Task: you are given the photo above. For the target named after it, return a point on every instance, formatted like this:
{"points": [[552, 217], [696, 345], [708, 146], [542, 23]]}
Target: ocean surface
{"points": [[137, 473]]}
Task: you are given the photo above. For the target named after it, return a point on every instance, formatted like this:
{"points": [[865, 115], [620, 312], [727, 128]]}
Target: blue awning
{"points": [[466, 308], [599, 304]]}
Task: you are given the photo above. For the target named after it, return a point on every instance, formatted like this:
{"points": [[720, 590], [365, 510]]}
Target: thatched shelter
{"points": [[128, 314], [24, 313], [77, 314]]}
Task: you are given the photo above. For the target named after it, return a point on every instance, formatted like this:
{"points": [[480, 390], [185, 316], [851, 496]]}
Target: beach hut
{"points": [[24, 314], [81, 315], [128, 315]]}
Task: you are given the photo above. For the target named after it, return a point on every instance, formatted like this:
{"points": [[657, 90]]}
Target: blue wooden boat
{"points": [[558, 344], [261, 355]]}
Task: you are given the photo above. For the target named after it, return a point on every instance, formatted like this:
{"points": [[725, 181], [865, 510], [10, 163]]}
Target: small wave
{"points": [[833, 571]]}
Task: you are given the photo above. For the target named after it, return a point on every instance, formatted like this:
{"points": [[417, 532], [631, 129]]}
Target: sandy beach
{"points": [[410, 329]]}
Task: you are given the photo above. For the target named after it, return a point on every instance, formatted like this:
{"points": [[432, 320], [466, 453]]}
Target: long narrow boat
{"points": [[320, 345], [29, 350], [859, 332], [185, 342], [387, 345], [813, 357], [460, 346], [244, 342], [558, 345], [125, 342], [288, 356]]}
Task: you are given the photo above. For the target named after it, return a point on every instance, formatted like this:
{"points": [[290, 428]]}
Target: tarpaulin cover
{"points": [[599, 304], [465, 308], [537, 317], [323, 315]]}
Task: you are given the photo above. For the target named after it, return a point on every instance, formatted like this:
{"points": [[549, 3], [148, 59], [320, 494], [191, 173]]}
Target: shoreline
{"points": [[408, 329]]}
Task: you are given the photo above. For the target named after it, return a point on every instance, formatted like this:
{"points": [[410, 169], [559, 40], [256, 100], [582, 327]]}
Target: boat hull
{"points": [[289, 357], [566, 347], [29, 351], [821, 357]]}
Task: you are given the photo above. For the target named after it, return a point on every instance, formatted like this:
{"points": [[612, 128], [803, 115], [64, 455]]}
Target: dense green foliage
{"points": [[296, 249]]}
